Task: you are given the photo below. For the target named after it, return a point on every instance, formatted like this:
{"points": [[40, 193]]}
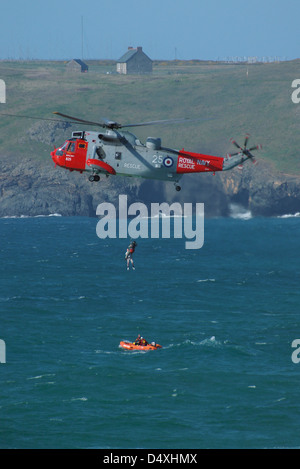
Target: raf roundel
{"points": [[168, 162]]}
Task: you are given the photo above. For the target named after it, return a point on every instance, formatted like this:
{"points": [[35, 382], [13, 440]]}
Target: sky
{"points": [[166, 29]]}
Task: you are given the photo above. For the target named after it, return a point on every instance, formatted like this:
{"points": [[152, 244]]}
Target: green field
{"points": [[258, 103]]}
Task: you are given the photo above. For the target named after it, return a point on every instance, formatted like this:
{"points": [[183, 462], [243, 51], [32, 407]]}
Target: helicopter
{"points": [[114, 151]]}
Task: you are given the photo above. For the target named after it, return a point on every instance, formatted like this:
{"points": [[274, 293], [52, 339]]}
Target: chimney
{"points": [[139, 48], [130, 48]]}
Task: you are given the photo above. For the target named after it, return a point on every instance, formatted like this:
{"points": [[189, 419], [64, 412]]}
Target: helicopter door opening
{"points": [[70, 154], [76, 155]]}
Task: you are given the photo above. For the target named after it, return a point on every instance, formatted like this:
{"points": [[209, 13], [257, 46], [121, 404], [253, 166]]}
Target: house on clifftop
{"points": [[135, 61], [77, 65]]}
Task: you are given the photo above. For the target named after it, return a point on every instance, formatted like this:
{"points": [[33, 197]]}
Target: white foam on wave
{"points": [[211, 341], [206, 280], [107, 352], [32, 216], [239, 212], [290, 215], [41, 376]]}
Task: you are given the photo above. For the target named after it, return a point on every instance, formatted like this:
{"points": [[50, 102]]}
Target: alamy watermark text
{"points": [[187, 222], [2, 91], [296, 353], [2, 351], [296, 93]]}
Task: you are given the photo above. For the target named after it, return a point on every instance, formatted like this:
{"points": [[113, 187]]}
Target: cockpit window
{"points": [[71, 147], [64, 146]]}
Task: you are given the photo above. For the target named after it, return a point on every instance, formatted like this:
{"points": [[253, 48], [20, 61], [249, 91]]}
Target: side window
{"points": [[100, 152]]}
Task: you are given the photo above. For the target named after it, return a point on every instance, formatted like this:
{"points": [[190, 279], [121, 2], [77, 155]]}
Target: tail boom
{"points": [[198, 163]]}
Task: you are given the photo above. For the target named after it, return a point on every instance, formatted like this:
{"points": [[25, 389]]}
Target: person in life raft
{"points": [[141, 341], [129, 254]]}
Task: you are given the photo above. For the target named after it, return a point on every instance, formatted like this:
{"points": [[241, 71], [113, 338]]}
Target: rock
{"points": [[262, 190]]}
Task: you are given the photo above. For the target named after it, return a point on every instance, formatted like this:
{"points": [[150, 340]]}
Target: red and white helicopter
{"points": [[112, 151]]}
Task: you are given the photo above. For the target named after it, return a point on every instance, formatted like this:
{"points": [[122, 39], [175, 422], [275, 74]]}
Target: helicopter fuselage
{"points": [[112, 152]]}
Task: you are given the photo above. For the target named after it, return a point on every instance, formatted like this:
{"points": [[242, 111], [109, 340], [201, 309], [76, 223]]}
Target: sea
{"points": [[227, 317]]}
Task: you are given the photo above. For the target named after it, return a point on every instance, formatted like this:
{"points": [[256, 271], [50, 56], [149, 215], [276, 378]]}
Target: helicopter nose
{"points": [[56, 158]]}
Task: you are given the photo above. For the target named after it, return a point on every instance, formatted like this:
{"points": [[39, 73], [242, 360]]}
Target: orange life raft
{"points": [[130, 346]]}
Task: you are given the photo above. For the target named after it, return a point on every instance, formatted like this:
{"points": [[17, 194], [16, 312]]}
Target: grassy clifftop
{"points": [[258, 102]]}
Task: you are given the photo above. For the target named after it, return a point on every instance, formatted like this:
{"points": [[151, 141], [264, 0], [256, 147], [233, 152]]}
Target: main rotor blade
{"points": [[31, 117], [75, 119], [168, 121], [82, 121], [106, 123], [115, 125]]}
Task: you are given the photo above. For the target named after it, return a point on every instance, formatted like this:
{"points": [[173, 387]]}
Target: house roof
{"points": [[127, 56], [80, 62], [130, 53]]}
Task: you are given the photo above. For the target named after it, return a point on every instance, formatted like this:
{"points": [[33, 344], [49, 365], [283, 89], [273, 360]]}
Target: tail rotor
{"points": [[244, 150]]}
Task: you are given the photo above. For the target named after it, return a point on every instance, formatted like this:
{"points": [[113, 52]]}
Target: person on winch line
{"points": [[129, 253]]}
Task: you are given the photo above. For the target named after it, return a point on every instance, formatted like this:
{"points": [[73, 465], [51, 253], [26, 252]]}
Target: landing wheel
{"points": [[93, 178], [178, 188]]}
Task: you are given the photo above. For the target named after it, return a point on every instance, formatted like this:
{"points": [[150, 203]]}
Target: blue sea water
{"points": [[226, 316]]}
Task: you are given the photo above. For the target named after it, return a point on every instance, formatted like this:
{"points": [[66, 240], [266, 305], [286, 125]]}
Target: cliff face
{"points": [[262, 190], [33, 188]]}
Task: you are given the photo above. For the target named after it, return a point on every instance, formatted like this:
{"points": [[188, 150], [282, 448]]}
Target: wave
{"points": [[32, 216], [207, 280], [78, 399], [290, 215], [41, 376], [212, 341], [239, 212]]}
